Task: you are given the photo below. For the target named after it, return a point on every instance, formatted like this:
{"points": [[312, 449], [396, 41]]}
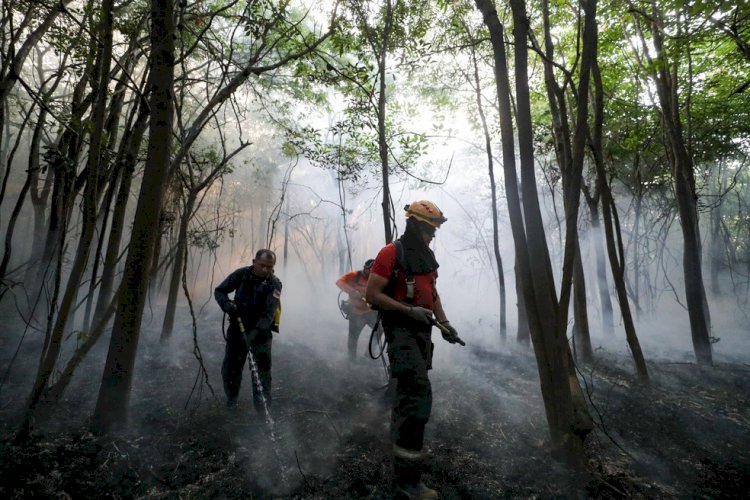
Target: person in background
{"points": [[358, 311], [402, 287], [257, 304]]}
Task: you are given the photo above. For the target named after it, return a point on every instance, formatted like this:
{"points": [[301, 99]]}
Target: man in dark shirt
{"points": [[256, 303]]}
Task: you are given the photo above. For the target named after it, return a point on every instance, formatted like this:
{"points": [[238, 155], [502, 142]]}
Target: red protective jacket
{"points": [[355, 284], [424, 283]]}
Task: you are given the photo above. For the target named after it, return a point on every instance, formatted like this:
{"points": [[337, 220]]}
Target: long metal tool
{"points": [[259, 386]]}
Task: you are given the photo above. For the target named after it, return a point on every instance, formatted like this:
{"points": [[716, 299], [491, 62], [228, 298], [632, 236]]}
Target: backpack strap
{"points": [[400, 259]]}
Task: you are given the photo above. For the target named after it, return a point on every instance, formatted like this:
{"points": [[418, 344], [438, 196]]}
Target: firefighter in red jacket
{"points": [[402, 287], [358, 311]]}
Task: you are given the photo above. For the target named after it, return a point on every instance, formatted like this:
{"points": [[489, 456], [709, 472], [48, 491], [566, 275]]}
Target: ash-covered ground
{"points": [[687, 434]]}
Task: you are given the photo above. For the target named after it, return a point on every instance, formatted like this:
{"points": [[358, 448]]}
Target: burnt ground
{"points": [[687, 434]]}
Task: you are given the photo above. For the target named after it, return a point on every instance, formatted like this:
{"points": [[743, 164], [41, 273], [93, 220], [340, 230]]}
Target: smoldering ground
{"points": [[684, 435]]}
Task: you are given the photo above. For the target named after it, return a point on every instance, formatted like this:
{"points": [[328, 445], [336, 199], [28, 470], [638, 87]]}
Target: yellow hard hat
{"points": [[426, 211]]}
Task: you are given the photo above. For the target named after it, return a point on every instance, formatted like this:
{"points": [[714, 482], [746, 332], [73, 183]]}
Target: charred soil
{"points": [[686, 434]]}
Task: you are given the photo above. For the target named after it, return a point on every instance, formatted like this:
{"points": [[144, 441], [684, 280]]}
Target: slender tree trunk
{"points": [[618, 271], [114, 393], [57, 389], [572, 181], [128, 156], [581, 332], [637, 216], [695, 293], [286, 237], [31, 175], [344, 248], [176, 277], [532, 254], [605, 302], [102, 222], [62, 163], [523, 334], [38, 198], [493, 190], [684, 184], [569, 420], [570, 156], [10, 155], [111, 127], [50, 355], [608, 207], [4, 124], [382, 138], [157, 263], [717, 247], [39, 203], [12, 68]]}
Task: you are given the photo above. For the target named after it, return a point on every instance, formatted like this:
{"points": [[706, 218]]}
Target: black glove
{"points": [[231, 309], [264, 324], [451, 335], [250, 337], [420, 314]]}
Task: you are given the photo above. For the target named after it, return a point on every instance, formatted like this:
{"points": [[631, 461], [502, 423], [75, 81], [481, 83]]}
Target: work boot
{"points": [[417, 491]]}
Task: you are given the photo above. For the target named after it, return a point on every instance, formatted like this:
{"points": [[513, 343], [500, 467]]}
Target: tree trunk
{"points": [[12, 69], [572, 181], [637, 215], [568, 424], [78, 268], [684, 183], [608, 207], [39, 204], [605, 302], [581, 332], [31, 175], [523, 335], [535, 270], [176, 277], [62, 163], [570, 156], [111, 127], [102, 222], [286, 237], [128, 156], [156, 261], [114, 393], [382, 138], [57, 389], [10, 155], [493, 190], [717, 247]]}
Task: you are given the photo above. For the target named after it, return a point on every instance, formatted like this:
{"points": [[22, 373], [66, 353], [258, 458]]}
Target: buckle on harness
{"points": [[410, 288]]}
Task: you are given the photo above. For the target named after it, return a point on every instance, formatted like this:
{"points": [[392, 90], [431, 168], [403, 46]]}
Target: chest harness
{"points": [[389, 288]]}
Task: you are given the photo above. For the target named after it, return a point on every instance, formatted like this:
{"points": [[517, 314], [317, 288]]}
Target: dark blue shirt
{"points": [[256, 298]]}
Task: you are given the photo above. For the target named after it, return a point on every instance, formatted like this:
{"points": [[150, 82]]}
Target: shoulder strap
{"points": [[399, 255], [400, 261]]}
